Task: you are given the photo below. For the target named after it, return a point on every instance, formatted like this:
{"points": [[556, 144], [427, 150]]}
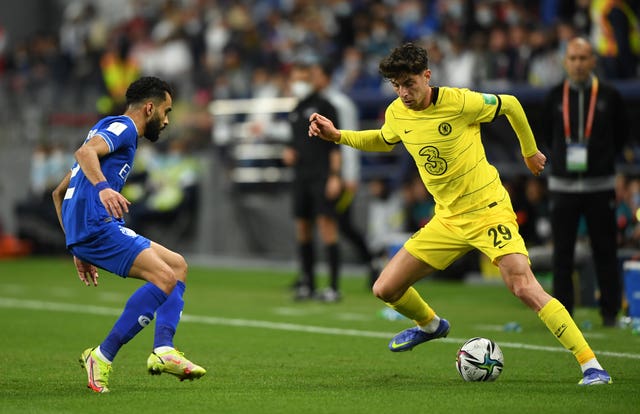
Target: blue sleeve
{"points": [[118, 133]]}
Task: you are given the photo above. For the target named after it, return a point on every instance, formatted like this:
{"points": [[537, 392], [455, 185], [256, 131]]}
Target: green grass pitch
{"points": [[267, 354]]}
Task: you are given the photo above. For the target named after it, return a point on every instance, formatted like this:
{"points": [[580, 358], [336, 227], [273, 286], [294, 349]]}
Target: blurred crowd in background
{"points": [[56, 82], [214, 49]]}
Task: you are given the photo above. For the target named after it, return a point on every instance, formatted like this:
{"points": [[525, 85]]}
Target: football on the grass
{"points": [[479, 359]]}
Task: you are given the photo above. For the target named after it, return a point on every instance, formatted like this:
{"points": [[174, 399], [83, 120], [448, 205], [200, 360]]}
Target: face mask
{"points": [[512, 17], [455, 10], [484, 17], [301, 89]]}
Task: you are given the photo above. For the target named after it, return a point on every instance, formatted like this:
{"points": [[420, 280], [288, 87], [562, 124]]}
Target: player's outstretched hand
{"points": [[536, 162], [87, 272], [322, 127], [115, 203]]}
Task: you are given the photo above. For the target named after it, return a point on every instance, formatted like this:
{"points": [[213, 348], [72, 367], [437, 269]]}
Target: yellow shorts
{"points": [[493, 231]]}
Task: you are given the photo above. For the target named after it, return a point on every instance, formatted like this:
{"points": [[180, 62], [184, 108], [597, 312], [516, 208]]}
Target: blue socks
{"points": [[137, 313], [168, 316]]}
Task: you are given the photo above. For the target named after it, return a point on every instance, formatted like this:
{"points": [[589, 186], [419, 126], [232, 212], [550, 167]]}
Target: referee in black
{"points": [[585, 129], [317, 184]]}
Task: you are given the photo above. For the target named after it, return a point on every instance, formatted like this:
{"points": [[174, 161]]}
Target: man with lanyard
{"points": [[585, 128]]}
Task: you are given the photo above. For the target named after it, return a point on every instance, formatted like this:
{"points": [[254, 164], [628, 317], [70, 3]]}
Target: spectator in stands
{"points": [[633, 199], [545, 66], [35, 216], [386, 218], [625, 216], [520, 50], [575, 13], [459, 63], [418, 203], [171, 58], [3, 48], [498, 59], [351, 74], [615, 31], [316, 186], [531, 205], [585, 128], [167, 193], [118, 69]]}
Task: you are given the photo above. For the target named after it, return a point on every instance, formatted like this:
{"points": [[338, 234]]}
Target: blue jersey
{"points": [[83, 214]]}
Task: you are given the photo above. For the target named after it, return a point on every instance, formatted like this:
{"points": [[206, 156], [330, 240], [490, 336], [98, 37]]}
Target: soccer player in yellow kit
{"points": [[440, 127]]}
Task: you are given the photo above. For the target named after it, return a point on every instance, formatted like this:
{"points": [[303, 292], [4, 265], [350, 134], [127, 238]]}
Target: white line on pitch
{"points": [[248, 323]]}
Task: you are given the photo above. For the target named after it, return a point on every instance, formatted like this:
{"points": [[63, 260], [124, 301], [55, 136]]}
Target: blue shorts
{"points": [[114, 250]]}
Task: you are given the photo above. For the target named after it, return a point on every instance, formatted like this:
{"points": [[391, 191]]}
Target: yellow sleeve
{"points": [[476, 106], [368, 140], [512, 108]]}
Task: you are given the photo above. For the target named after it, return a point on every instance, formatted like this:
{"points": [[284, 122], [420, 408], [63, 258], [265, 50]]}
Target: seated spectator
{"points": [[529, 198], [35, 215], [385, 228], [498, 60], [167, 195], [419, 204], [352, 74], [625, 217]]}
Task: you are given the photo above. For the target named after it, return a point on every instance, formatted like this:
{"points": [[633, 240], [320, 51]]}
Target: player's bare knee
{"points": [[166, 279], [518, 290], [522, 289], [383, 292], [181, 268], [375, 289]]}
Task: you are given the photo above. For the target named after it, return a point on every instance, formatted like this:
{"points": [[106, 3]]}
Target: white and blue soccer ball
{"points": [[479, 359]]}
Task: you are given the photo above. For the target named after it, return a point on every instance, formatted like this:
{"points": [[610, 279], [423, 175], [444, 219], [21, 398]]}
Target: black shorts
{"points": [[309, 199]]}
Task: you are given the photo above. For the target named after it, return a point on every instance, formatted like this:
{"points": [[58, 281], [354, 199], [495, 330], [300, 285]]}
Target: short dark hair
{"points": [[147, 87], [407, 59]]}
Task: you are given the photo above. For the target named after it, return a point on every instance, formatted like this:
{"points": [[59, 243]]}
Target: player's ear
{"points": [[427, 74], [148, 108]]}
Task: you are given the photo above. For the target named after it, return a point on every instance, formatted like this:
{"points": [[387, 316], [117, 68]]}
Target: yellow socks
{"points": [[563, 327], [414, 307]]}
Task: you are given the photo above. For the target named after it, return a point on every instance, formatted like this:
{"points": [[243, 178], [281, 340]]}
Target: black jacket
{"points": [[313, 152], [608, 137]]}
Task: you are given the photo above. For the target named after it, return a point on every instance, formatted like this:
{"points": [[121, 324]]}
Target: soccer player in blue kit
{"points": [[90, 209]]}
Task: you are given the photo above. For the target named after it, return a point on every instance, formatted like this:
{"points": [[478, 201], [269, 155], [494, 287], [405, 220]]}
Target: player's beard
{"points": [[153, 128]]}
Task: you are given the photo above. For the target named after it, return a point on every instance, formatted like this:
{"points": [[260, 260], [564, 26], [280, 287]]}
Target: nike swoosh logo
{"points": [[394, 345], [560, 331], [406, 131]]}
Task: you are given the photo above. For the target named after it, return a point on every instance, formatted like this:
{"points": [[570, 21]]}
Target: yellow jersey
{"points": [[444, 141]]}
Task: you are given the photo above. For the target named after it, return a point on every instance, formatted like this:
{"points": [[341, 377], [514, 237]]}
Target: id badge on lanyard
{"points": [[576, 157], [577, 153]]}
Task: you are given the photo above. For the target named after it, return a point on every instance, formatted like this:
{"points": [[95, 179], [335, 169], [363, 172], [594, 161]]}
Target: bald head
{"points": [[579, 60]]}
